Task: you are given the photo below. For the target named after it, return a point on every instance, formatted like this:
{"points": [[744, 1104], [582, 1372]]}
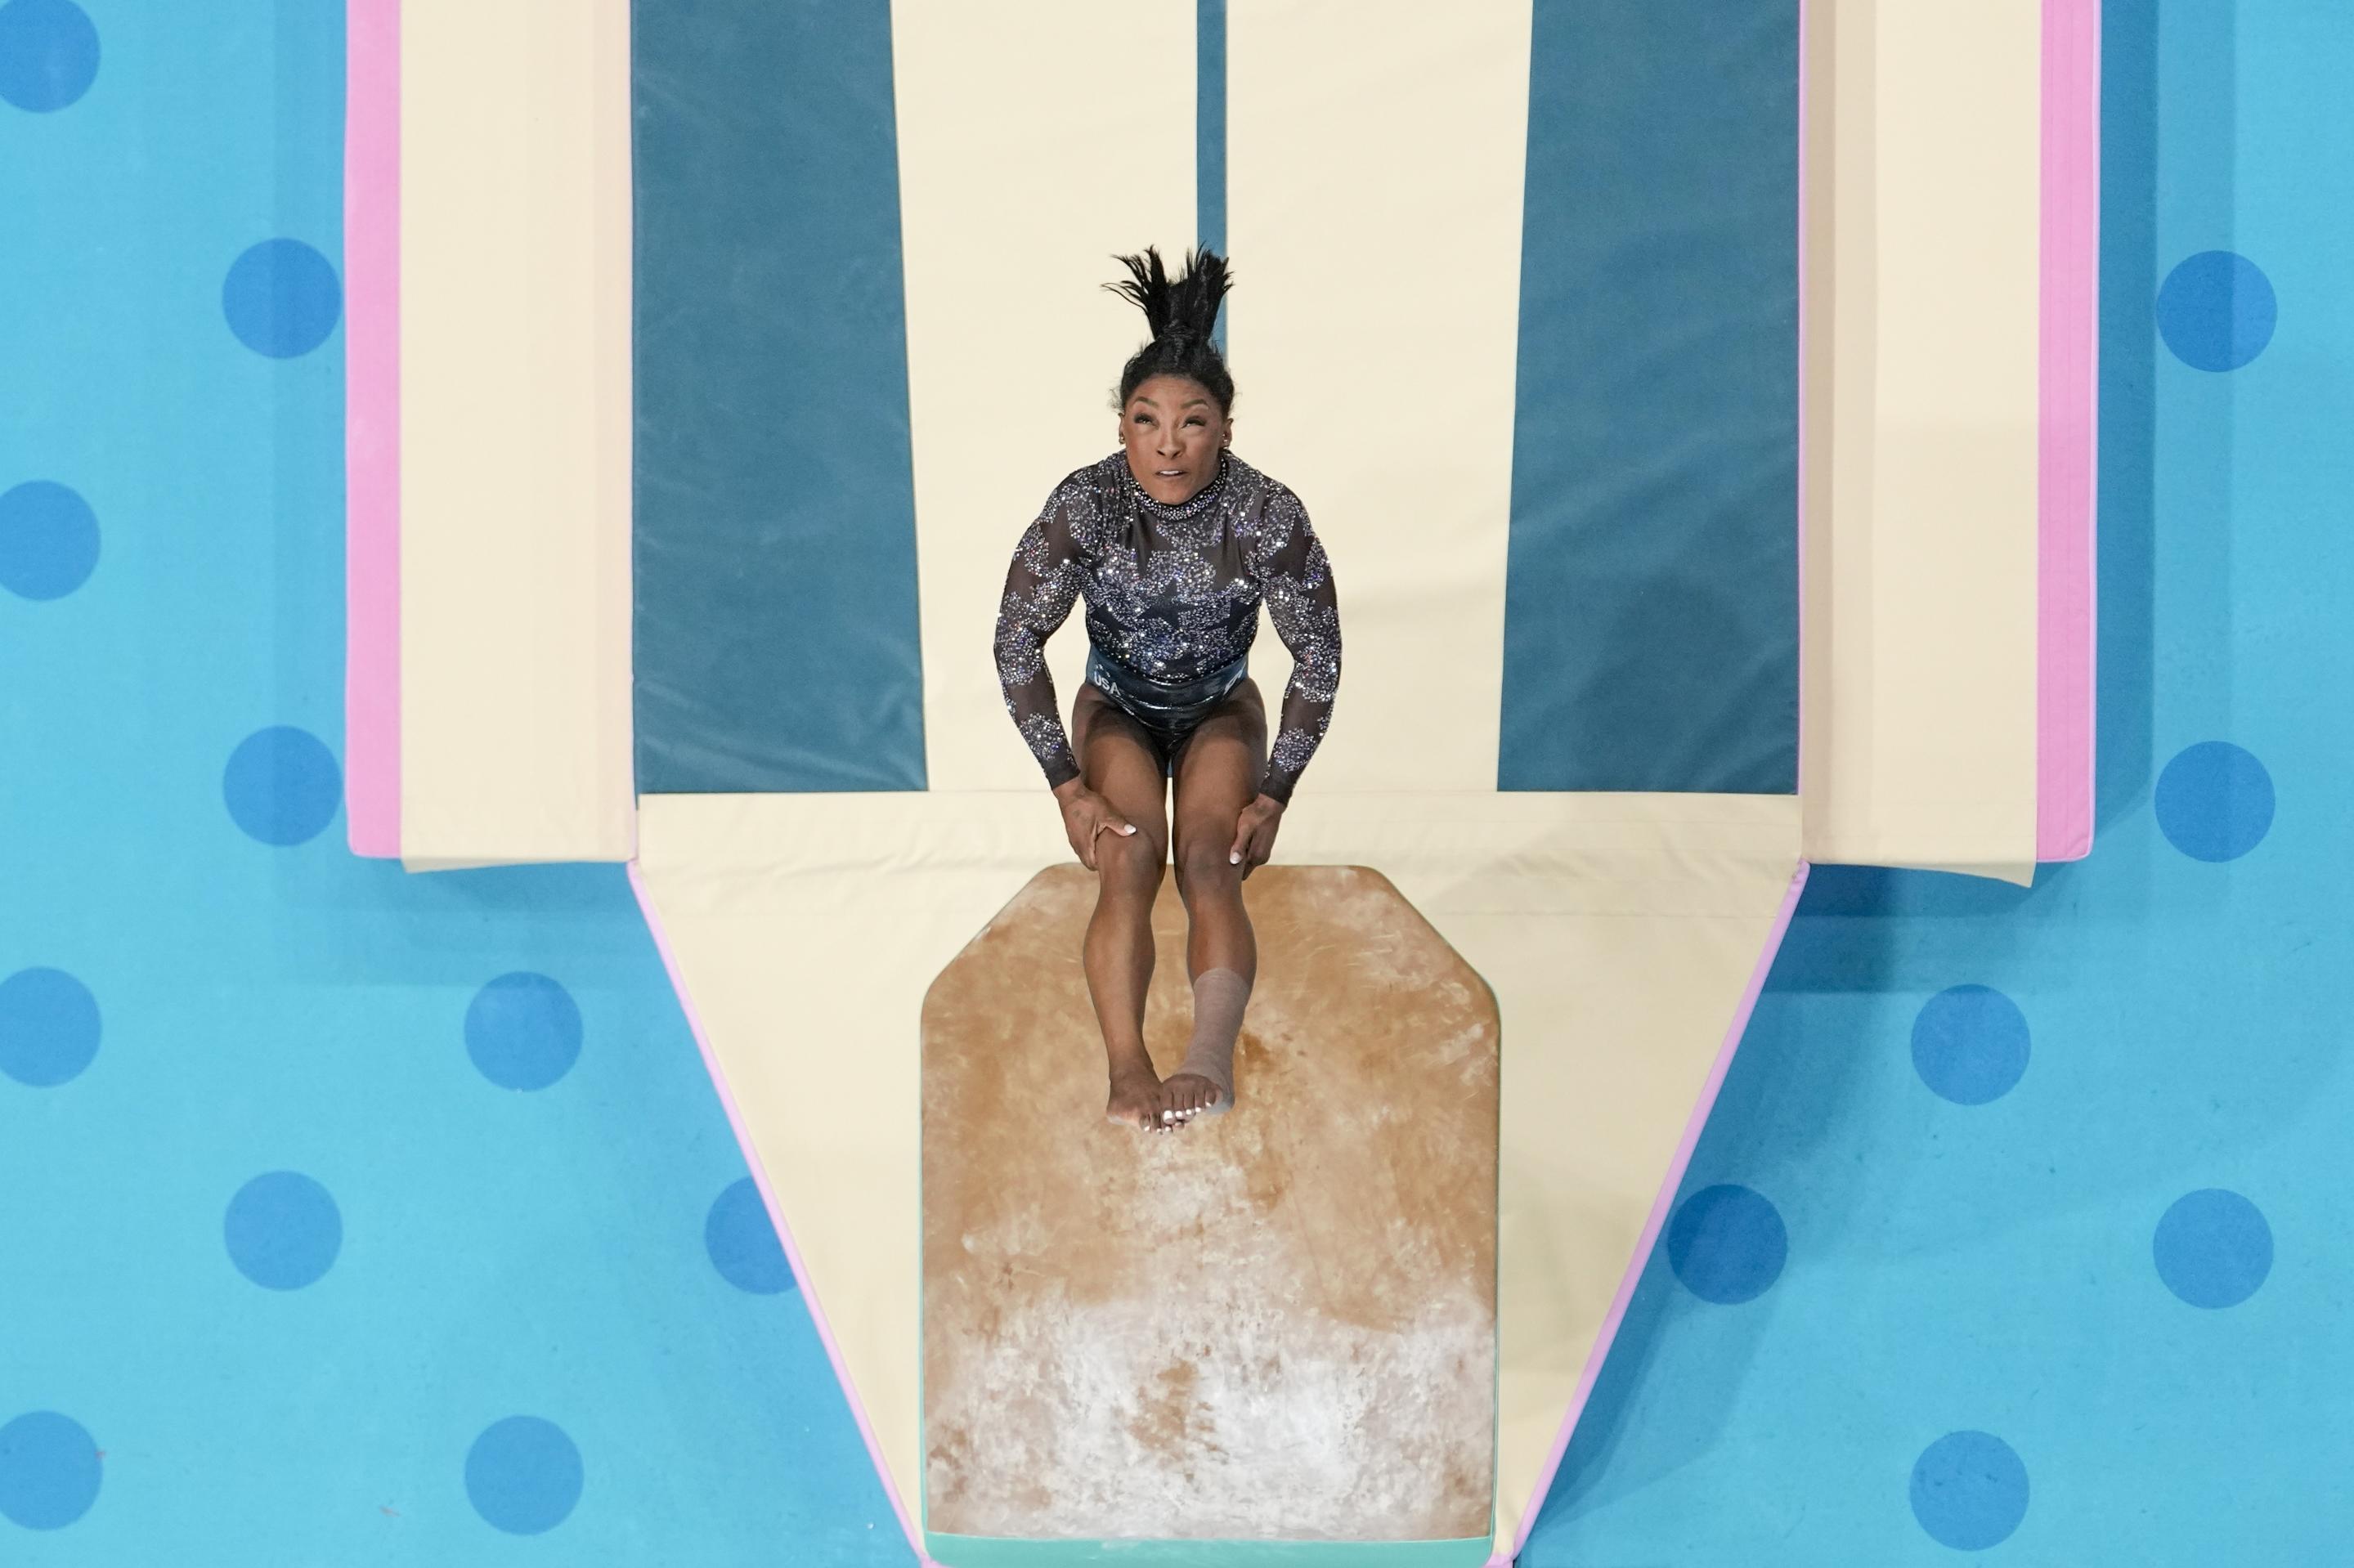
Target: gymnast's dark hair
{"points": [[1182, 315]]}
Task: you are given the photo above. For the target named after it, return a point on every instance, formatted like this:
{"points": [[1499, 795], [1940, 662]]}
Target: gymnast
{"points": [[1175, 542]]}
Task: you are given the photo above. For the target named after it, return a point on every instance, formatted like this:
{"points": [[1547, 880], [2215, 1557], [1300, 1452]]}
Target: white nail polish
{"points": [[1233, 858]]}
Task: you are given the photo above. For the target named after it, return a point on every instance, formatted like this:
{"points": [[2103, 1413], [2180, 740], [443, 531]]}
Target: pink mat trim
{"points": [[2070, 399], [775, 1213], [1660, 1205], [372, 428]]}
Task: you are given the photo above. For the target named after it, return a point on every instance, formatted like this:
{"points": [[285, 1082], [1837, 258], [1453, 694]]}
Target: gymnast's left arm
{"points": [[1296, 582]]}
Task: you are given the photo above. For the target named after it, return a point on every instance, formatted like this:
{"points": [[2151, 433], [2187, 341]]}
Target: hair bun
{"points": [[1180, 309]]}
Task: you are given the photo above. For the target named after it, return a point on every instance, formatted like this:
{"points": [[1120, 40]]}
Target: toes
{"points": [[1181, 1101]]}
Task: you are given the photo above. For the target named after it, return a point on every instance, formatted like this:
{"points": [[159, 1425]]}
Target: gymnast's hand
{"points": [[1255, 834], [1086, 814]]}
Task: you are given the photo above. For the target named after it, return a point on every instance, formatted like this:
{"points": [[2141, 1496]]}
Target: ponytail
{"points": [[1183, 317]]}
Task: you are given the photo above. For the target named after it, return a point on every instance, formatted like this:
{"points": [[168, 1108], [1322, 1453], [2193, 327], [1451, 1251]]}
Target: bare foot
{"points": [[1135, 1099], [1188, 1095]]}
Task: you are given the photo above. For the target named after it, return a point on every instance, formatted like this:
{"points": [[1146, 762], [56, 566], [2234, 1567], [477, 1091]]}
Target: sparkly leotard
{"points": [[1172, 596]]}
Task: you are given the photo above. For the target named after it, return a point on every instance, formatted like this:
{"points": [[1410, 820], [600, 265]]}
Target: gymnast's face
{"points": [[1174, 432]]}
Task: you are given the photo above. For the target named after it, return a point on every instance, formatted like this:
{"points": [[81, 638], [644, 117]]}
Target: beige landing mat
{"points": [[1619, 933]]}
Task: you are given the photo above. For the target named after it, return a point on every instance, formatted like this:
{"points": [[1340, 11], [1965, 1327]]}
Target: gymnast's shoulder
{"points": [[1089, 488], [1260, 495]]}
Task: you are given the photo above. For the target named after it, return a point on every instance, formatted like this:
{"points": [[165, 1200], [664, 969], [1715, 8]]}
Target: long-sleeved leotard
{"points": [[1173, 595]]}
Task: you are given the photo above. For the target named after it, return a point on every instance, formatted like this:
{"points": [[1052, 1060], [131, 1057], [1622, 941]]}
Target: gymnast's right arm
{"points": [[1040, 587]]}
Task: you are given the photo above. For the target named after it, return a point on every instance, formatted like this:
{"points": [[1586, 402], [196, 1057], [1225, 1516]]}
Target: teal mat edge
{"points": [[1014, 1552]]}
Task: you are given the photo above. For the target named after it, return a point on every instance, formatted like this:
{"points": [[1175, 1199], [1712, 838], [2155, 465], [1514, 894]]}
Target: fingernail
{"points": [[1234, 857], [1128, 828]]}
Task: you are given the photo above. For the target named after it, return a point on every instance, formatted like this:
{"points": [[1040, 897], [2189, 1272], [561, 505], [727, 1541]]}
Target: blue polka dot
{"points": [[2217, 311], [743, 1244], [48, 1027], [2214, 801], [1969, 1490], [1969, 1045], [282, 785], [48, 541], [283, 1231], [1727, 1245], [48, 1470], [524, 1475], [2212, 1248], [49, 54], [282, 297], [523, 1031]]}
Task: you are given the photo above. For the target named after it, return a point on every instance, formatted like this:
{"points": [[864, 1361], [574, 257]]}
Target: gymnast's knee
{"points": [[1130, 864], [1202, 866]]}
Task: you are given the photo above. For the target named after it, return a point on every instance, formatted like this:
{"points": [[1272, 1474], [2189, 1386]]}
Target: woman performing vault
{"points": [[1175, 542]]}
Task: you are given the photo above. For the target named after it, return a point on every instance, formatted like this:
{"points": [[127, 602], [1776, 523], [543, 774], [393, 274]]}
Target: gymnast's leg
{"points": [[1218, 774], [1117, 762]]}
